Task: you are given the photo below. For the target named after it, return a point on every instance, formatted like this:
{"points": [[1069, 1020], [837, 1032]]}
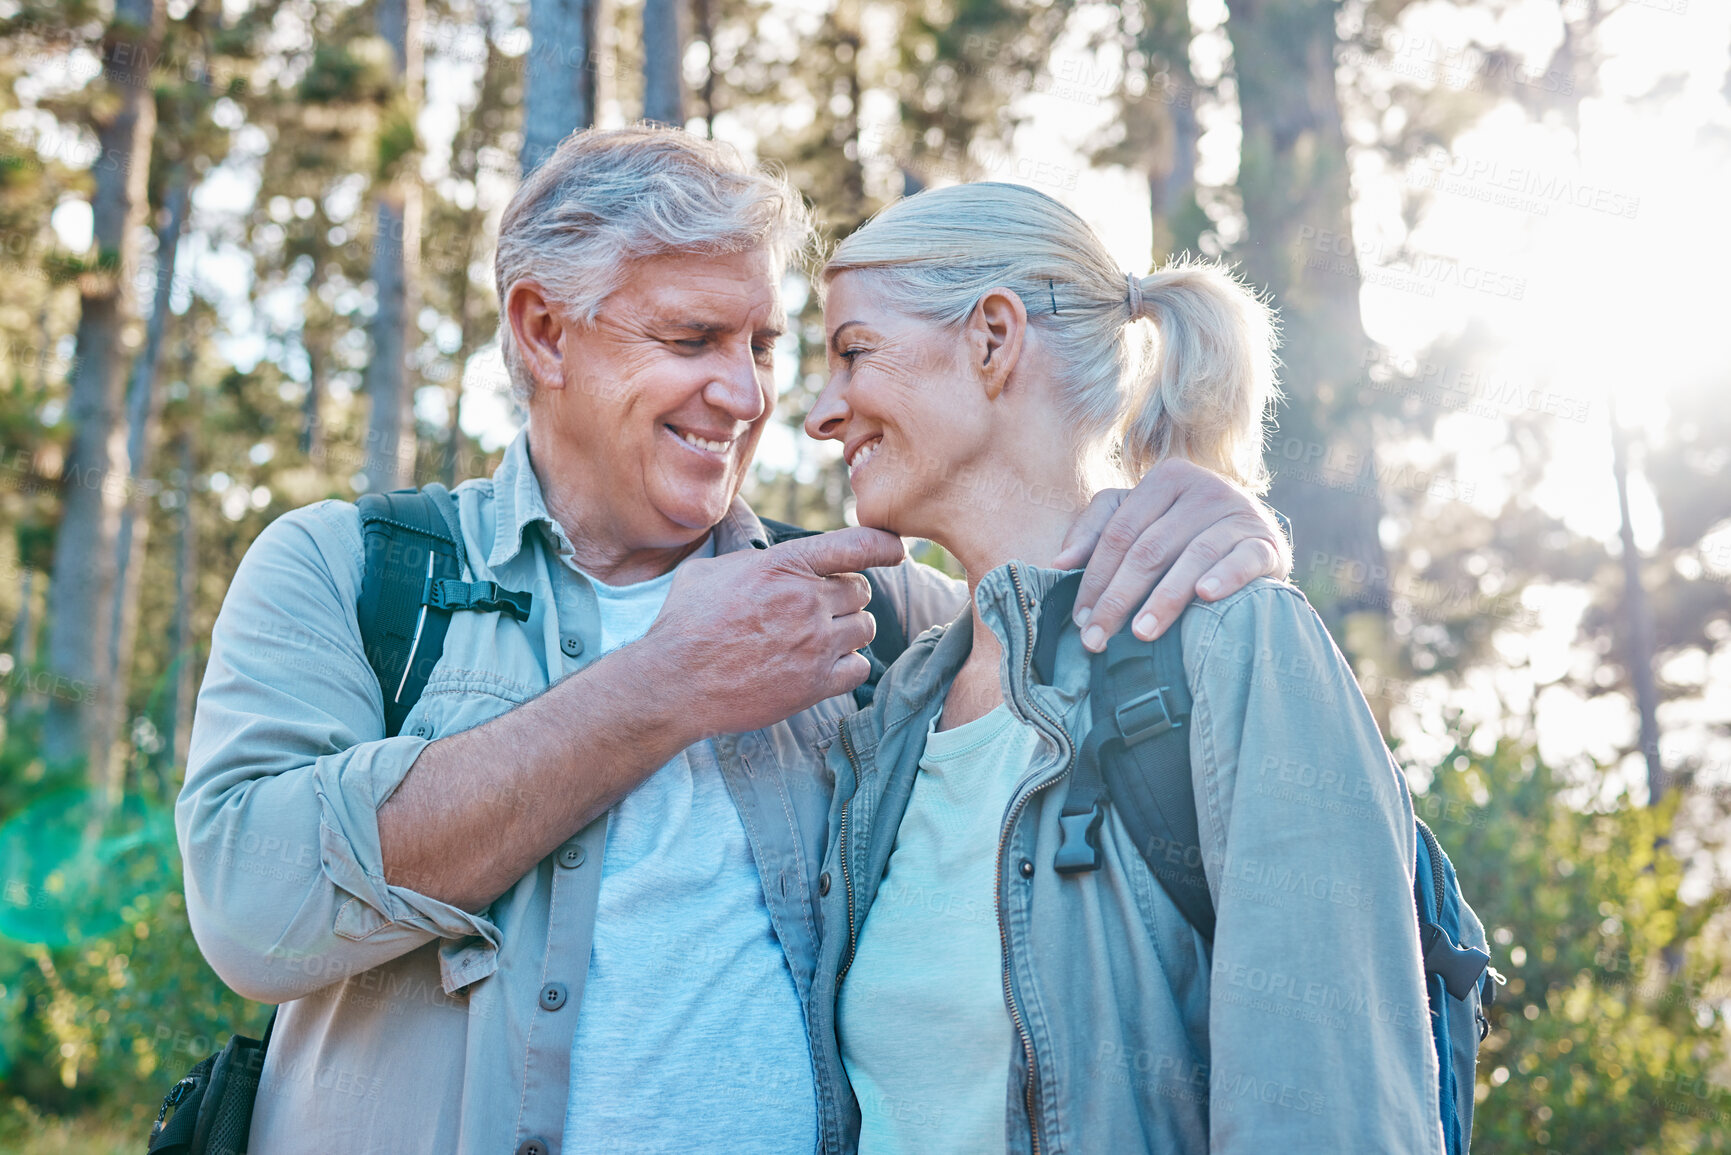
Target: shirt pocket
{"points": [[461, 699]]}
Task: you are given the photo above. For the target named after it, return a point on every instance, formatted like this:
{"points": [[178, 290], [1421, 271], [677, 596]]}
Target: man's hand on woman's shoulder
{"points": [[1208, 537]]}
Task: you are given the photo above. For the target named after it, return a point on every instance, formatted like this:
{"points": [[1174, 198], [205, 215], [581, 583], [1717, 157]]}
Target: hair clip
{"points": [[1054, 293]]}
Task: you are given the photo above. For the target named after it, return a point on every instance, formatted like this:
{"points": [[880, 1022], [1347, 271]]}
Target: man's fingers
{"points": [[1079, 543], [1248, 561], [846, 593], [850, 671], [1147, 560], [1200, 570], [1124, 533], [856, 631], [842, 551]]}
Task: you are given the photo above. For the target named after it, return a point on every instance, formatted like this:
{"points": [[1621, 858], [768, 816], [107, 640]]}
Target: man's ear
{"points": [[994, 333], [538, 327]]}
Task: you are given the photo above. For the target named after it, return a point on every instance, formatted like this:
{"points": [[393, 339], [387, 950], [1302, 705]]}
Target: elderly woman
{"points": [[989, 364]]}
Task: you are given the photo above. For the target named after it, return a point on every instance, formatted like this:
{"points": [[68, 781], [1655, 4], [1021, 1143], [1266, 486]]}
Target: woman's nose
{"points": [[828, 414]]}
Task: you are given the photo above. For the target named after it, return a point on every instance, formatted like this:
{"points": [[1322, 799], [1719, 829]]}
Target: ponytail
{"points": [[1198, 383], [1209, 384]]}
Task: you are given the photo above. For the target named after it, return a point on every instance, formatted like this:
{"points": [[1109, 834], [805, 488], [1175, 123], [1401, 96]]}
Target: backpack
{"points": [[411, 584], [1137, 756]]}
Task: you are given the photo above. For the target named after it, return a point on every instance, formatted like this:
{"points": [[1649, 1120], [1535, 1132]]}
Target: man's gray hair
{"points": [[608, 197]]}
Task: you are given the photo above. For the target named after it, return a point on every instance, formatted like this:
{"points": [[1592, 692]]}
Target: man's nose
{"points": [[739, 389], [828, 414]]}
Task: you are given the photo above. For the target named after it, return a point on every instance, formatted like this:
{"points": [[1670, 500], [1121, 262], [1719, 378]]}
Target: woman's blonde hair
{"points": [[1199, 385]]}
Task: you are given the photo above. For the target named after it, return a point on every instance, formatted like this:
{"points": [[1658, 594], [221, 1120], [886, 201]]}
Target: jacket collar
{"points": [[519, 503], [915, 686]]}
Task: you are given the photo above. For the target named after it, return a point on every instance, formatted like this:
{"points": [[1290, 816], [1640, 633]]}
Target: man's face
{"points": [[663, 398]]}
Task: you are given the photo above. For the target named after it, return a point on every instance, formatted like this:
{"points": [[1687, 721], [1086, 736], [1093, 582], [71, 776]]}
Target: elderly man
{"points": [[572, 905]]}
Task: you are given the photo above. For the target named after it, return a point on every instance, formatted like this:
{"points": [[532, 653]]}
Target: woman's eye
{"points": [[848, 355]]}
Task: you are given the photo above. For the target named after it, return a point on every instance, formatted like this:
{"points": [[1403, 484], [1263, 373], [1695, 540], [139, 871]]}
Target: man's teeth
{"points": [[703, 443], [864, 453]]}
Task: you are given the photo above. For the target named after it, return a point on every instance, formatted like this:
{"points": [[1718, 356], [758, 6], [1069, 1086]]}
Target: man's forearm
{"points": [[479, 809]]}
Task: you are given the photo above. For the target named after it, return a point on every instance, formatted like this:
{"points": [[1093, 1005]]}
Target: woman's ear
{"points": [[995, 331]]}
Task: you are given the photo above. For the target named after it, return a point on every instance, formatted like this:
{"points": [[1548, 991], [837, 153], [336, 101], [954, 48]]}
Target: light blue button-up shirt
{"points": [[408, 1024]]}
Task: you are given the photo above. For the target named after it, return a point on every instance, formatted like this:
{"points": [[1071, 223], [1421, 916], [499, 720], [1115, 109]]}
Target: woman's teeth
{"points": [[864, 454]]}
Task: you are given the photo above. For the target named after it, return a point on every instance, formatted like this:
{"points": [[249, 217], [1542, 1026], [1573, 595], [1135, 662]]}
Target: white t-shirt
{"points": [[691, 1036]]}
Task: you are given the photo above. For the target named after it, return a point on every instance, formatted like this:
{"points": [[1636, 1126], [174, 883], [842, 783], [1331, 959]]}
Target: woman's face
{"points": [[903, 403]]}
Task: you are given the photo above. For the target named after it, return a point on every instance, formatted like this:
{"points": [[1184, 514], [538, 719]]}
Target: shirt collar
{"points": [[518, 503]]}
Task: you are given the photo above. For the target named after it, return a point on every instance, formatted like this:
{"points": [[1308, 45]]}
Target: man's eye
{"points": [[695, 344], [762, 351]]}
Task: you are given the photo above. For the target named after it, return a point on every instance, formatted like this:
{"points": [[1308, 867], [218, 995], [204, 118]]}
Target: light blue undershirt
{"points": [[925, 1035], [691, 1036]]}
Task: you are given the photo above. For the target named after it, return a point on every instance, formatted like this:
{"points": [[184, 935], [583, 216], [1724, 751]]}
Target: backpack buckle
{"points": [[1459, 966], [1145, 716], [1079, 848], [483, 597]]}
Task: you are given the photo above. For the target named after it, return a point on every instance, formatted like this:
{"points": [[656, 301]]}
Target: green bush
{"points": [[1611, 1027]]}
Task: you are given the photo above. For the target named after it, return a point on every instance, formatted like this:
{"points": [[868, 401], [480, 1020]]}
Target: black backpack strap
{"points": [[892, 634], [1137, 754], [411, 584]]}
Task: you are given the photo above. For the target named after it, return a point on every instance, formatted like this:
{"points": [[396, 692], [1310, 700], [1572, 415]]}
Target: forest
{"points": [[247, 249]]}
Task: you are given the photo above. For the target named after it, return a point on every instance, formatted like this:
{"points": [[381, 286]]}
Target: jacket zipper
{"points": [[998, 876], [841, 852]]}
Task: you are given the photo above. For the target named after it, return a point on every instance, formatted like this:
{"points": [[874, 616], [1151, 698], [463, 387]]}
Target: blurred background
{"points": [[246, 250]]}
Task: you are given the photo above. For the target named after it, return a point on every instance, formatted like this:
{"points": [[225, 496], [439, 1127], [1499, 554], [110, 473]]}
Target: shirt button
{"points": [[571, 644], [823, 883], [1027, 868], [571, 856], [423, 731], [531, 1147], [552, 996]]}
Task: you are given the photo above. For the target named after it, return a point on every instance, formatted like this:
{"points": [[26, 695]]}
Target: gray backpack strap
{"points": [[1137, 754]]}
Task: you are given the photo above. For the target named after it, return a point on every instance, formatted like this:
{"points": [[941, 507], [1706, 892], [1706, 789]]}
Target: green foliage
{"points": [[1609, 1032], [104, 997]]}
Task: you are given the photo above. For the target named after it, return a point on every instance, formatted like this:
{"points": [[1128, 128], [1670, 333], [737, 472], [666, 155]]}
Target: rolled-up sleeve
{"points": [[1318, 1024], [288, 765]]}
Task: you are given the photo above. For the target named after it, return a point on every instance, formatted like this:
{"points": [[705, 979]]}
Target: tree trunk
{"points": [[1177, 218], [1639, 654], [560, 95], [390, 451], [1294, 179], [705, 13], [663, 52], [84, 555], [312, 407], [177, 717], [143, 409]]}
